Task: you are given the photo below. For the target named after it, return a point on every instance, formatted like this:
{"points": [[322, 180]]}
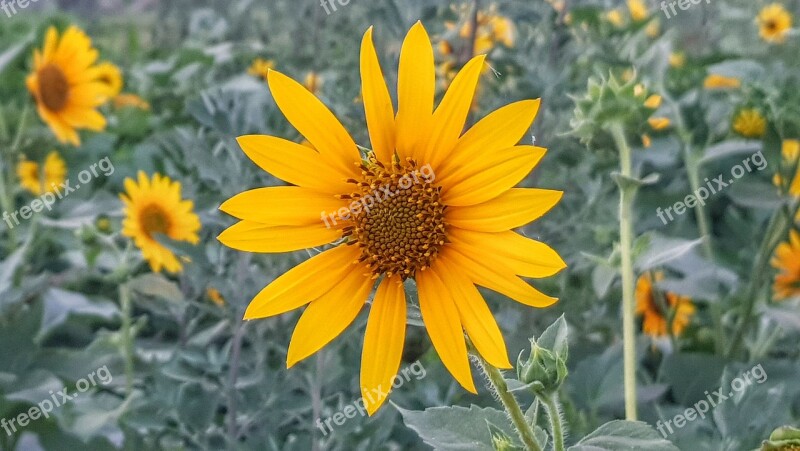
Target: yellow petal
{"points": [[524, 256], [383, 342], [315, 122], [303, 283], [490, 175], [416, 82], [377, 102], [325, 318], [475, 315], [499, 130], [495, 277], [256, 237], [282, 205], [514, 208], [442, 322], [448, 119], [293, 163]]}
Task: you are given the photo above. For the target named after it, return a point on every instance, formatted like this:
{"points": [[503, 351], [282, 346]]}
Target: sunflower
{"points": [[427, 203], [313, 82], [774, 22], [260, 67], [659, 123], [787, 261], [750, 123], [655, 318], [716, 81], [65, 83], [677, 59], [42, 180], [128, 100], [615, 18], [791, 153], [154, 206], [215, 296], [637, 10], [111, 75]]}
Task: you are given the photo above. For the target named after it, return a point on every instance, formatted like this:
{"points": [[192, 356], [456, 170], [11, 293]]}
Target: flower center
{"points": [[53, 87], [397, 218], [771, 25], [153, 219]]}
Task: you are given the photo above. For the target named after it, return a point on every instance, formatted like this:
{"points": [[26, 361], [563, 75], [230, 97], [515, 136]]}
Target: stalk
{"points": [[127, 335], [554, 413]]}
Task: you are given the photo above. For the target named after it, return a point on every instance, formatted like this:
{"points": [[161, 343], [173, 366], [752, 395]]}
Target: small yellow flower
{"points": [[125, 100], [111, 76], [153, 206], [681, 308], [615, 18], [658, 123], [787, 261], [653, 29], [791, 153], [215, 296], [715, 81], [646, 141], [64, 82], [637, 10], [445, 48], [493, 28], [39, 181], [750, 123], [677, 59], [653, 102], [260, 68], [313, 82], [774, 22], [103, 224]]}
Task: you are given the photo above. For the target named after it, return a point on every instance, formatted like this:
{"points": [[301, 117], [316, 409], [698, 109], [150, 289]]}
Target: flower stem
{"points": [[499, 386], [554, 413], [627, 194], [127, 335]]}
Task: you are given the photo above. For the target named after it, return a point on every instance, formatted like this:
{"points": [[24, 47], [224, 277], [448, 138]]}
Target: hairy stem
{"points": [[127, 335], [554, 413]]}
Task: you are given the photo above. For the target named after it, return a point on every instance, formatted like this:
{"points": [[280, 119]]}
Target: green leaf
{"points": [[156, 285], [663, 250], [729, 148], [556, 338], [624, 436]]}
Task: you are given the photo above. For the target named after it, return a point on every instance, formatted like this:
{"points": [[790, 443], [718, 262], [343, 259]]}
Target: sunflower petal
{"points": [[441, 318], [490, 176], [315, 122], [282, 205], [416, 82], [325, 318], [256, 237], [377, 102], [303, 283], [383, 342], [514, 208]]}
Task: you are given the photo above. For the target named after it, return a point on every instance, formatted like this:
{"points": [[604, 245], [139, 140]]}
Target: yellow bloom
{"points": [[215, 296], [125, 100], [653, 102], [787, 261], [615, 18], [677, 59], [774, 23], [313, 82], [493, 28], [447, 223], [714, 81], [637, 9], [111, 76], [750, 123], [655, 320], [658, 123], [65, 84], [791, 153], [445, 48], [45, 180], [653, 29], [646, 141], [260, 67], [152, 207]]}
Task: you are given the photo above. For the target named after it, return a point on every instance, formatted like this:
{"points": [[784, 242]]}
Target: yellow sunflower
{"points": [[787, 261], [126, 100], [655, 319], [659, 123], [750, 123], [65, 83], [637, 10], [215, 296], [716, 81], [791, 153], [677, 59], [260, 67], [774, 22], [426, 203], [154, 206], [42, 180], [313, 82], [111, 75]]}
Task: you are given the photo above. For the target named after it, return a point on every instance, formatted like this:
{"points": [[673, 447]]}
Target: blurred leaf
{"points": [[624, 436]]}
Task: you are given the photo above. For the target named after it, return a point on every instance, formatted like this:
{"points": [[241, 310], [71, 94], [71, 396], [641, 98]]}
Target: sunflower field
{"points": [[400, 225]]}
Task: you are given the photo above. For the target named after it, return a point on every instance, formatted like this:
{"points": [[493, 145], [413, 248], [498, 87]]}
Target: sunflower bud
{"points": [[784, 438], [546, 366]]}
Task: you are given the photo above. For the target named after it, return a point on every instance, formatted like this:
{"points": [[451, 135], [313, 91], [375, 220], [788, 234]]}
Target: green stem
{"points": [[554, 413], [499, 386], [127, 335], [627, 194], [6, 171]]}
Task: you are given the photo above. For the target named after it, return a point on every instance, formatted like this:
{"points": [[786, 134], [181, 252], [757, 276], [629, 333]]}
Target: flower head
{"points": [[677, 59], [313, 82], [111, 75], [67, 84], [153, 207], [774, 22], [39, 180], [716, 81], [750, 123], [791, 159], [260, 67], [657, 314], [427, 203], [787, 262], [637, 10]]}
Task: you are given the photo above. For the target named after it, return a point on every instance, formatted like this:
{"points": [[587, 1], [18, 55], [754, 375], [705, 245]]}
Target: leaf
{"points": [[457, 428], [729, 148], [556, 338], [60, 304], [690, 375], [663, 249], [9, 55], [156, 285], [621, 435]]}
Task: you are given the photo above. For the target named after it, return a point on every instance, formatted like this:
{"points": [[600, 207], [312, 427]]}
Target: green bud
{"points": [[544, 370], [785, 438]]}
